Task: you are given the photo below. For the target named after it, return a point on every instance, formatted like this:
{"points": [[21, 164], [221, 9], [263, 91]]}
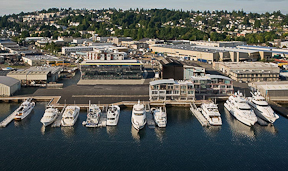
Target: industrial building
{"points": [[36, 76], [249, 71], [169, 89], [114, 69], [38, 60], [217, 43], [8, 86], [274, 91], [171, 69], [206, 53], [68, 50]]}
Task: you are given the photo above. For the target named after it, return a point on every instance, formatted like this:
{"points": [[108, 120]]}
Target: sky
{"points": [[260, 6]]}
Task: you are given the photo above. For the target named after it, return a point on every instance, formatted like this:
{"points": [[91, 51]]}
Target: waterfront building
{"points": [[8, 86], [274, 91], [68, 50], [36, 76], [191, 71], [169, 89], [249, 71], [105, 55], [113, 69]]}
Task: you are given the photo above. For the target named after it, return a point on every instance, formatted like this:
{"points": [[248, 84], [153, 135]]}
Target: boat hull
{"points": [[241, 119]]}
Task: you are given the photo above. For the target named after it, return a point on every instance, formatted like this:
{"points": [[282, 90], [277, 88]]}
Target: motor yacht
{"points": [[93, 116], [70, 115], [24, 109], [262, 108], [211, 113], [113, 115], [160, 117], [49, 116], [237, 105], [138, 118]]}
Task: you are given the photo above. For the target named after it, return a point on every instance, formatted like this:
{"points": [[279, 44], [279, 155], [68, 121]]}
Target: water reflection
{"points": [[68, 131], [25, 122], [238, 128], [44, 130], [160, 133], [112, 130], [135, 134], [262, 129], [212, 130]]}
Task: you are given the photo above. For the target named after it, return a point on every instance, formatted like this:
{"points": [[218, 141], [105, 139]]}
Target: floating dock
{"points": [[57, 122], [149, 117], [7, 120], [198, 115]]}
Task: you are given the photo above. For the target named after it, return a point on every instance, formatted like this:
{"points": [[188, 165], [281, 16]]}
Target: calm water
{"points": [[183, 145]]}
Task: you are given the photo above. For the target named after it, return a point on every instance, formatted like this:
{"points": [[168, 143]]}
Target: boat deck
{"points": [[57, 122]]}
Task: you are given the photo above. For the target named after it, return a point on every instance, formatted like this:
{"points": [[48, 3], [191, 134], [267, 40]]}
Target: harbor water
{"points": [[183, 145]]}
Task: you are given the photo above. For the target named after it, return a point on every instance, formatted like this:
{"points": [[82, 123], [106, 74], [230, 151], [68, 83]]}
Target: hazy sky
{"points": [[16, 6]]}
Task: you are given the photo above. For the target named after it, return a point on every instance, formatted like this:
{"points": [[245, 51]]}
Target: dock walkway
{"points": [[57, 122], [198, 115], [150, 120], [7, 120]]}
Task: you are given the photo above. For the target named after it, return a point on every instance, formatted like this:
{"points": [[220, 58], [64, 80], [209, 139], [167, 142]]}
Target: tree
{"points": [[25, 34]]}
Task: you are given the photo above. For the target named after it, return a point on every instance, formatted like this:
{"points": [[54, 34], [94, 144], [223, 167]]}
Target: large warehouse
{"points": [[8, 86], [275, 91], [36, 76]]}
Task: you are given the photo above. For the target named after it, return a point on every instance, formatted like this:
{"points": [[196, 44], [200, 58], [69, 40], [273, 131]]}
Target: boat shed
{"points": [[274, 91], [8, 86]]}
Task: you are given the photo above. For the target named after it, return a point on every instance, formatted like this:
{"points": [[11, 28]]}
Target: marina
{"points": [[182, 137]]}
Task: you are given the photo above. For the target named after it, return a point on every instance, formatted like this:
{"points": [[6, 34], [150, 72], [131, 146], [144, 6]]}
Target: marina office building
{"points": [[198, 87], [169, 89], [207, 53], [249, 71]]}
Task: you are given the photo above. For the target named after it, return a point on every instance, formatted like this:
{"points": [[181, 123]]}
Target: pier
{"points": [[57, 122], [149, 117], [7, 120], [198, 115]]}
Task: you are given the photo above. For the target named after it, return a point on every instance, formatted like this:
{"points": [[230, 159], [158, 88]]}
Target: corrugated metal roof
{"points": [[8, 81]]}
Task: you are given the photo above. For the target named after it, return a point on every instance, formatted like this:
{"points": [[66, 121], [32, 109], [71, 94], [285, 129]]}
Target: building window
{"points": [[190, 87], [154, 92], [183, 87], [190, 92], [222, 86]]}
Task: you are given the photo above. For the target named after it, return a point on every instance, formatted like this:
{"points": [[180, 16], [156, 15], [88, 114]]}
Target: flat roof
{"points": [[207, 49], [218, 76], [8, 81], [111, 62], [164, 81], [41, 57]]}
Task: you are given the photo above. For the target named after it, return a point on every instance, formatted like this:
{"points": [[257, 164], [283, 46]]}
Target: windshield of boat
{"points": [[245, 109], [68, 117], [138, 114], [261, 100], [110, 118], [263, 105], [212, 110]]}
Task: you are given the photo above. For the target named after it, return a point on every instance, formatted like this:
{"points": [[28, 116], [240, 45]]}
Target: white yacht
{"points": [[160, 117], [237, 105], [211, 113], [113, 115], [49, 116], [93, 116], [138, 118], [70, 115], [262, 108], [24, 109]]}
